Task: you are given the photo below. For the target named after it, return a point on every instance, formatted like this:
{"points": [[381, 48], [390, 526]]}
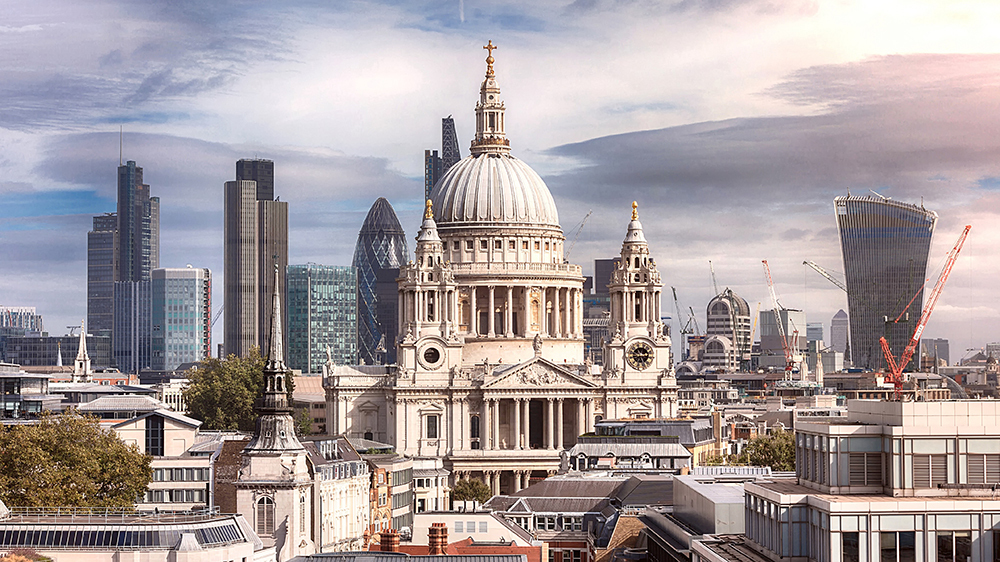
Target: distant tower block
{"points": [[885, 244], [450, 153]]}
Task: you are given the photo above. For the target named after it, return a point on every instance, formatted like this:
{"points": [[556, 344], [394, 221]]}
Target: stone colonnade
{"points": [[517, 410], [518, 311]]}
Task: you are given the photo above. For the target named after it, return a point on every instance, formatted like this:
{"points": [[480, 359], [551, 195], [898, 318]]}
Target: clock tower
{"points": [[638, 347]]}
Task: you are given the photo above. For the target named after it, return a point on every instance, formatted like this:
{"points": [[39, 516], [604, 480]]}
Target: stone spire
{"points": [[81, 367], [490, 136], [275, 431], [428, 229], [59, 354], [634, 234]]}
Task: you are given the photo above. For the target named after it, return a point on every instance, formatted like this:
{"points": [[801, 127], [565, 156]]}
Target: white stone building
{"points": [[491, 374]]}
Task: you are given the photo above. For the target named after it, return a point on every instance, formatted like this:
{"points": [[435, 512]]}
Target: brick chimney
{"points": [[389, 541], [437, 539]]}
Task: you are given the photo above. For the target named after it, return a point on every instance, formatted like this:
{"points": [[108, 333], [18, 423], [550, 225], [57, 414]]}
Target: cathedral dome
{"points": [[490, 187], [493, 188]]}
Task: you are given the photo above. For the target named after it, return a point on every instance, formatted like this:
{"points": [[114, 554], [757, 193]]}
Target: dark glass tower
{"points": [[885, 245], [381, 245], [101, 274], [322, 313], [450, 153]]}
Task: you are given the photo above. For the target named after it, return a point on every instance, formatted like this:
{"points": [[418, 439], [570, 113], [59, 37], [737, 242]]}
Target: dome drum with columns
{"points": [[491, 373]]}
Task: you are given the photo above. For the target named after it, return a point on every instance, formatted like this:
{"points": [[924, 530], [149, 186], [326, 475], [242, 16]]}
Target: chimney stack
{"points": [[437, 539], [389, 541]]}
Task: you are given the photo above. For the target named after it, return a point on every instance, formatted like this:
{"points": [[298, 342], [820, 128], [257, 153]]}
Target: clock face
{"points": [[639, 355]]}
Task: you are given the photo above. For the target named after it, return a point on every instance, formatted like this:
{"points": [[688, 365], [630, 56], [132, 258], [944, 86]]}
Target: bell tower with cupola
{"points": [[638, 346], [429, 343], [490, 135]]}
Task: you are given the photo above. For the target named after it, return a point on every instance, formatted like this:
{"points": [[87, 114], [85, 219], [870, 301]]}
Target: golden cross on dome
{"points": [[428, 214], [489, 46], [635, 211]]}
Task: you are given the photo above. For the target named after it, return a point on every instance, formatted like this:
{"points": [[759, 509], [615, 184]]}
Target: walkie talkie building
{"points": [[885, 245]]}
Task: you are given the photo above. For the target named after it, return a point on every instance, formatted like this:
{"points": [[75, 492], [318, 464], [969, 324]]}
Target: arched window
{"points": [[474, 427], [265, 516], [303, 515]]}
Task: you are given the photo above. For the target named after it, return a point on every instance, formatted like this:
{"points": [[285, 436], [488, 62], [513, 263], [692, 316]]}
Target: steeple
{"points": [[490, 136], [81, 367], [275, 431]]}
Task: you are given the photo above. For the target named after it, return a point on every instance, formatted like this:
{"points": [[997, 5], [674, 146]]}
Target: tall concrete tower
{"points": [[256, 238]]}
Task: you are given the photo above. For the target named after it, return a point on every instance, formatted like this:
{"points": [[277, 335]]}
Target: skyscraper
{"points": [[137, 248], [839, 329], [182, 316], [322, 312], [381, 245], [23, 317], [885, 244], [101, 256], [435, 166], [256, 238]]}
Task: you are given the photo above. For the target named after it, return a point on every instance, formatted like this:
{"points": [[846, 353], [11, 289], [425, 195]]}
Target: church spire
{"points": [[81, 367], [490, 136], [275, 431]]}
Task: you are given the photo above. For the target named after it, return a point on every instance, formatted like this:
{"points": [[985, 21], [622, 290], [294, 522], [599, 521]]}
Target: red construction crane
{"points": [[789, 360], [896, 369]]}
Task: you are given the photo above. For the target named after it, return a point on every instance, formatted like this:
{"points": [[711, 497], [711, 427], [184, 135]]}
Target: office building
{"points": [[772, 351], [435, 166], [101, 258], [138, 244], [22, 317], [602, 274], [894, 481], [182, 316], [381, 245], [256, 242], [885, 244], [132, 333], [44, 350], [432, 171], [935, 352], [727, 345], [839, 330], [387, 311], [814, 331], [322, 314]]}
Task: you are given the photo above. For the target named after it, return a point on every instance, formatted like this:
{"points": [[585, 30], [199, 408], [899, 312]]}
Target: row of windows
{"points": [[565, 555], [114, 538], [498, 245], [552, 523], [181, 474], [470, 526], [175, 496]]}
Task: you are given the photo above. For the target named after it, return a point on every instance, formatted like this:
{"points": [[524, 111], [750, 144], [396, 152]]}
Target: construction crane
{"points": [[896, 368], [824, 273], [789, 359], [579, 229], [217, 315], [697, 329], [714, 284]]}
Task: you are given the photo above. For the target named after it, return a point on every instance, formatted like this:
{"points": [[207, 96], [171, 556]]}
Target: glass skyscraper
{"points": [[885, 245], [101, 273], [182, 316], [381, 245], [322, 311]]}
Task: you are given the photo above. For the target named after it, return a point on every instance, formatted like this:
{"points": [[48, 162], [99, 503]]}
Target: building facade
{"points": [[102, 255], [182, 316], [727, 345], [885, 245], [322, 316], [772, 353], [256, 239], [839, 330], [381, 245], [23, 317], [490, 372]]}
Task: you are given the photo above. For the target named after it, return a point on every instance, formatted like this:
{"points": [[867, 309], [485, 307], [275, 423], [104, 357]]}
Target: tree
{"points": [[303, 422], [776, 450], [68, 460], [471, 489]]}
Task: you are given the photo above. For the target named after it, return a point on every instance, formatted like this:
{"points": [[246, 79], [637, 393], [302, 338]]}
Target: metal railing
{"points": [[106, 515]]}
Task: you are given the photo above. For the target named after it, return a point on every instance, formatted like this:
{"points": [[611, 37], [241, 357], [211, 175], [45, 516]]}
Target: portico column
{"points": [[517, 423], [545, 312], [509, 317], [559, 424], [550, 418], [490, 319], [485, 426], [589, 407], [581, 418], [517, 480], [527, 477], [527, 424], [556, 316], [473, 313], [496, 423]]}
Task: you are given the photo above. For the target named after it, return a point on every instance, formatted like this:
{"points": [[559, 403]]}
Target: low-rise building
{"points": [[696, 435]]}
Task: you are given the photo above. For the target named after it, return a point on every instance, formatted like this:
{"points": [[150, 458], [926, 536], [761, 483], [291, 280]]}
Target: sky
{"points": [[732, 123]]}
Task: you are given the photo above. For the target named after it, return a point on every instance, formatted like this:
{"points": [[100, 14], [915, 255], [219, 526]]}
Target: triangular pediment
{"points": [[538, 372], [520, 506]]}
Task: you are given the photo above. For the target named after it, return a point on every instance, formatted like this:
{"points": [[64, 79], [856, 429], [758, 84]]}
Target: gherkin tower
{"points": [[381, 246]]}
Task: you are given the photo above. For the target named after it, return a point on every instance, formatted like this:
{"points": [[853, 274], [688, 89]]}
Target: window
{"points": [[483, 526], [984, 469], [303, 517], [484, 245], [954, 546], [898, 547], [454, 245], [265, 516], [929, 470], [512, 245], [154, 436], [432, 427], [468, 244], [865, 469], [524, 245], [498, 244], [851, 547], [474, 427], [459, 527], [546, 245], [538, 245]]}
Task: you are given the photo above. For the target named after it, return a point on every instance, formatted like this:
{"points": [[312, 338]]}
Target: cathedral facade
{"points": [[490, 372]]}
